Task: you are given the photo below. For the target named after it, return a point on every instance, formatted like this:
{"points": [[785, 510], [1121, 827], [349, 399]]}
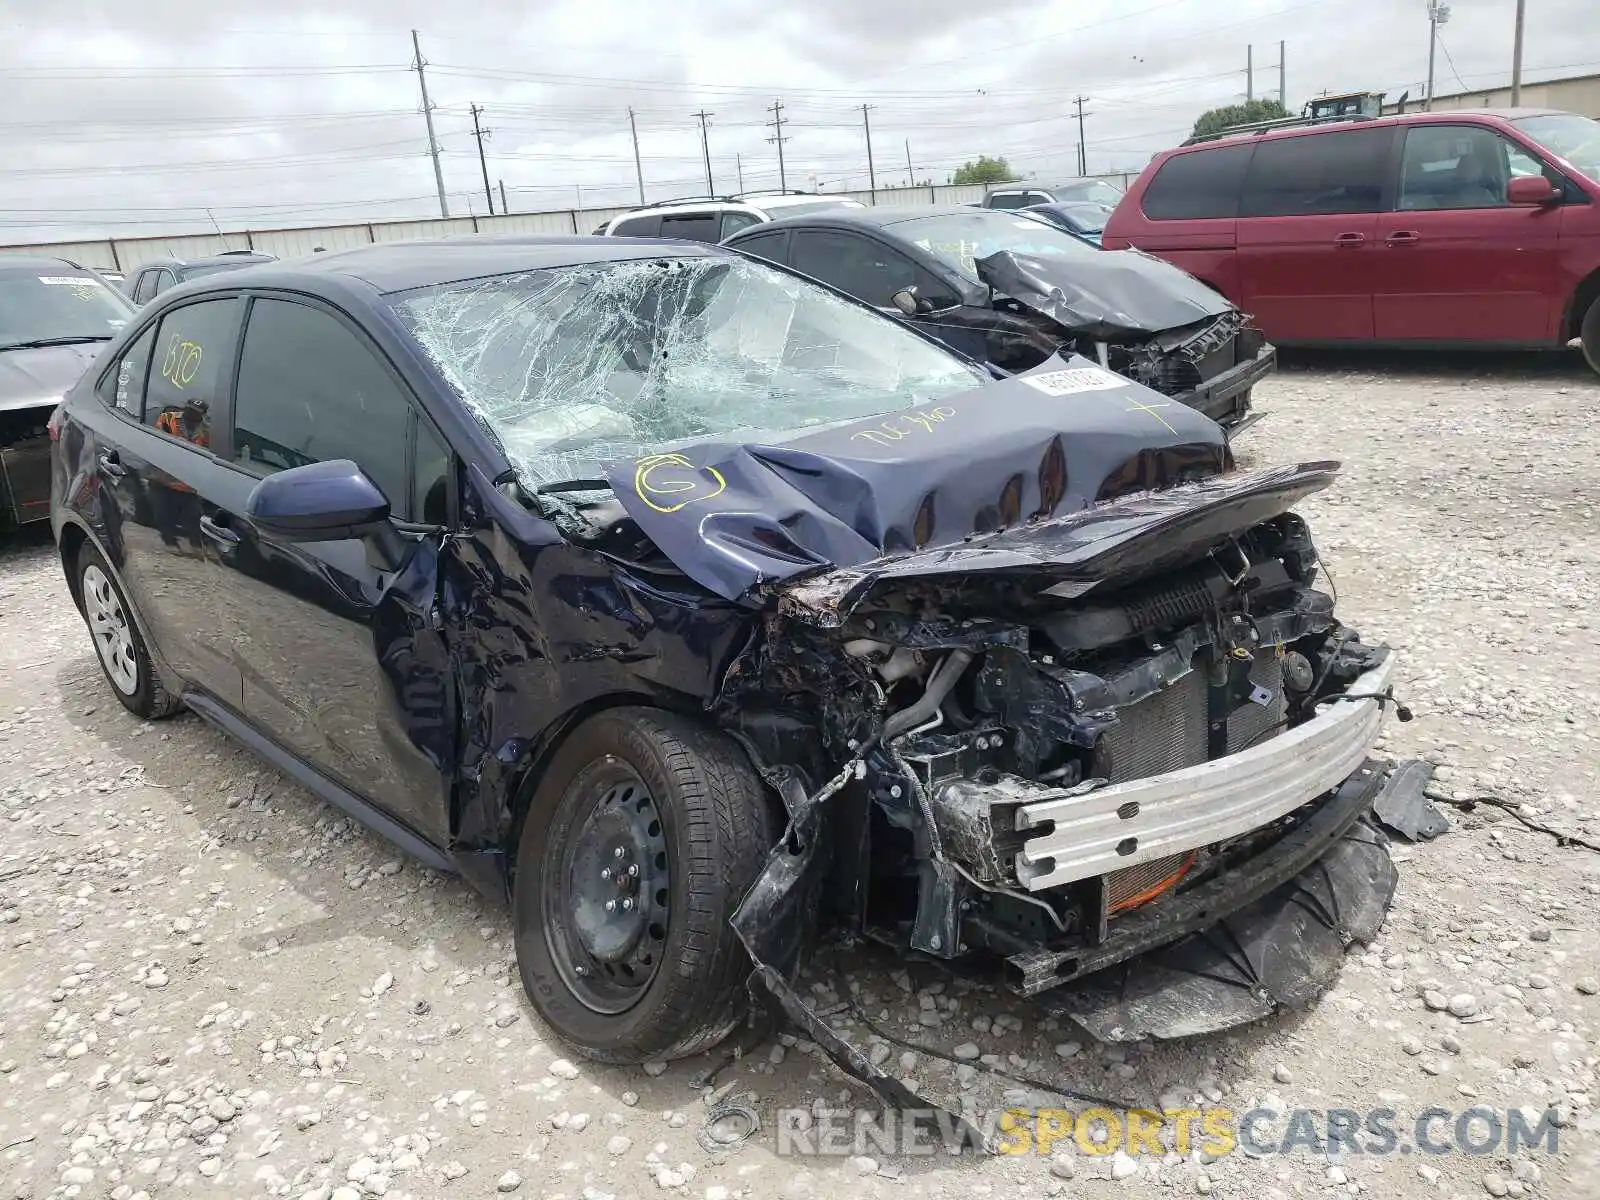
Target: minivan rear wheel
{"points": [[1590, 335], [640, 841]]}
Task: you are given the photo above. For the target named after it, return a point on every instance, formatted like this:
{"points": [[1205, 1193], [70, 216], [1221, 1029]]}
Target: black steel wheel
{"points": [[608, 890], [640, 840]]}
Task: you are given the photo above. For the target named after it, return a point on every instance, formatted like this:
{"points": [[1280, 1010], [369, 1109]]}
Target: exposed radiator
{"points": [[1161, 733], [1254, 723]]}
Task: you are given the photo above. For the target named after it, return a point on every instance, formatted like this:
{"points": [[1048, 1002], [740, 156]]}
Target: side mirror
{"points": [[326, 502], [906, 301], [1531, 191]]}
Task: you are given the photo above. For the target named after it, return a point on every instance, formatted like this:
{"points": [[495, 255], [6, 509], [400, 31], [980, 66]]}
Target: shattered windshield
{"points": [[960, 239], [1574, 138], [577, 367], [57, 305]]}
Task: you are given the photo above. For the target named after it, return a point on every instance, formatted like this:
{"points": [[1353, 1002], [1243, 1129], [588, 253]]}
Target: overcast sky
{"points": [[122, 118]]}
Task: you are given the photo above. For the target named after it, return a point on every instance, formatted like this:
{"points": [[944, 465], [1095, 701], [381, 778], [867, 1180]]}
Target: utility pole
{"points": [[638, 170], [1283, 76], [1249, 74], [872, 175], [738, 165], [776, 125], [1516, 56], [1083, 149], [417, 65], [911, 176], [483, 163], [1438, 14], [705, 148], [505, 209]]}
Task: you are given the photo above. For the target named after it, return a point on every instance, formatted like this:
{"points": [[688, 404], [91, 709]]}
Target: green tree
{"points": [[1219, 119], [985, 170]]}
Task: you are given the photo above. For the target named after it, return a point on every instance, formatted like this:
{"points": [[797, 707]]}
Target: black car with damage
{"points": [[1014, 290], [697, 610], [55, 316]]}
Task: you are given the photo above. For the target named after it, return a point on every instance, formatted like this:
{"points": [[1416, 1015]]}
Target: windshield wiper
{"points": [[37, 343], [574, 485]]}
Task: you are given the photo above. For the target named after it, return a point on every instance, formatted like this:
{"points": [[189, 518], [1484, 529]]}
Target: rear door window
{"points": [[164, 280], [733, 221], [1318, 174], [144, 288], [692, 227], [1198, 185], [770, 246], [189, 368], [860, 267], [310, 390], [648, 225]]}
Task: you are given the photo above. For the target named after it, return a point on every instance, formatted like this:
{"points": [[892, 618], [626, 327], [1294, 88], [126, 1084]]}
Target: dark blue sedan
{"points": [[693, 607]]}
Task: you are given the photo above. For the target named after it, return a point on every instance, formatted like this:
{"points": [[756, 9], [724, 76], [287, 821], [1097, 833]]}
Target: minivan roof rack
{"points": [[1260, 127]]}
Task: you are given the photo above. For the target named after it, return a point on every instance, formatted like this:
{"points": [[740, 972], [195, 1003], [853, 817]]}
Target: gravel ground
{"points": [[213, 985]]}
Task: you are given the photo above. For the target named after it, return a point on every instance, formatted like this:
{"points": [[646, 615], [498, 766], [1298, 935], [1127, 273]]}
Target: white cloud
{"points": [[133, 118]]}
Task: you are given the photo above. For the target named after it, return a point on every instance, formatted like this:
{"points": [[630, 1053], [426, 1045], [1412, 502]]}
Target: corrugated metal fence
{"points": [[124, 254]]}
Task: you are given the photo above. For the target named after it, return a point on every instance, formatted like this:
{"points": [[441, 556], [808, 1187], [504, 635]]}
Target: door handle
{"points": [[1350, 240], [110, 464], [1403, 237], [218, 533]]}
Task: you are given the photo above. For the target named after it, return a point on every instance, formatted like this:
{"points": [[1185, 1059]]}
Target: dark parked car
{"points": [[689, 605], [1025, 195], [1469, 228], [1013, 291], [1084, 219], [55, 316], [159, 274]]}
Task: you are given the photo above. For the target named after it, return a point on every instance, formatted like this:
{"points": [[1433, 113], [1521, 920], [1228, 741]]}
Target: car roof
{"points": [[402, 266], [1034, 185], [1439, 117], [775, 202], [28, 264], [871, 218]]}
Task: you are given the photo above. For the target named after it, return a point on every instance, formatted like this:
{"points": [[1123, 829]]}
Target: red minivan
{"points": [[1471, 227]]}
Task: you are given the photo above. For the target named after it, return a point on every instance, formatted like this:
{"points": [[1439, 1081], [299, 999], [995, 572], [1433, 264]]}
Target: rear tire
{"points": [[119, 646], [1589, 332], [667, 822]]}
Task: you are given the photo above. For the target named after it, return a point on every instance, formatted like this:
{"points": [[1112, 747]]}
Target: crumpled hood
{"points": [[1109, 296], [733, 516], [31, 378]]}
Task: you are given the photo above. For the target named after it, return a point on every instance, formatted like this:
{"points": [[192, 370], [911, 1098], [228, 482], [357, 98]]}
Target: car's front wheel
{"points": [[640, 840], [117, 641], [1589, 334]]}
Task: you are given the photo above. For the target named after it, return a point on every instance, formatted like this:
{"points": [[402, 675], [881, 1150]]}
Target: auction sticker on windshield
{"points": [[69, 281], [1074, 380]]}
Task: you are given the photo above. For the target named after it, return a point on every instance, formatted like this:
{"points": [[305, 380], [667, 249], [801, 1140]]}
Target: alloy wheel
{"points": [[112, 632]]}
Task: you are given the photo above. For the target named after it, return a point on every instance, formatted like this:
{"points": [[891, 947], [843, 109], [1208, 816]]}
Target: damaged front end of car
{"points": [[1139, 316], [1121, 757]]}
